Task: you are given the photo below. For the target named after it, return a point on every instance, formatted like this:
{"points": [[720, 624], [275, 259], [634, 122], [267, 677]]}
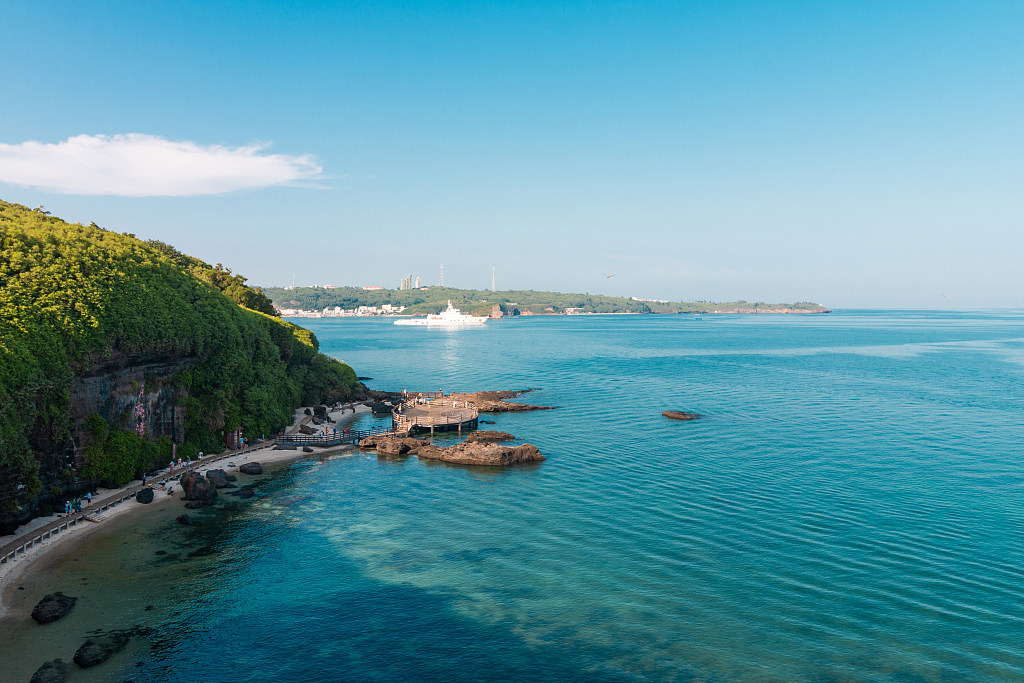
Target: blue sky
{"points": [[855, 154]]}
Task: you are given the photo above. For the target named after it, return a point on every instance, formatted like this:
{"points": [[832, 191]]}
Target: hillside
{"points": [[513, 302], [112, 349]]}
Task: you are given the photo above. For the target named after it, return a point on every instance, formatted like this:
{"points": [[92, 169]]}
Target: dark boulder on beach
{"points": [[219, 478], [232, 477], [380, 408], [53, 607], [307, 449], [320, 411], [145, 496], [289, 447], [306, 429], [98, 650], [251, 468], [184, 520], [307, 411], [490, 436], [198, 488], [680, 415], [51, 672]]}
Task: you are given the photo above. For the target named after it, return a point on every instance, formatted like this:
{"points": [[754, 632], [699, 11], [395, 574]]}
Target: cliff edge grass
{"points": [[113, 348]]}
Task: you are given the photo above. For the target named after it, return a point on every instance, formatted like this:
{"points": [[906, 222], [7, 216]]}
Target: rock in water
{"points": [[246, 493], [490, 436], [680, 415], [251, 468], [398, 445], [219, 478], [197, 487], [193, 505], [489, 454], [51, 672], [97, 651], [53, 607], [144, 496], [184, 520]]}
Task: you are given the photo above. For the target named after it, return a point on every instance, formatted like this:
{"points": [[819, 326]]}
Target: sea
{"points": [[848, 507]]}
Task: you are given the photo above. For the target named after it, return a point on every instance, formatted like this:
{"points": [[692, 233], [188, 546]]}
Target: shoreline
{"points": [[52, 549]]}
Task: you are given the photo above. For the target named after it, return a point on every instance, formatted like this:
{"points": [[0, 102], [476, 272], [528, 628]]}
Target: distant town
{"points": [[339, 312]]}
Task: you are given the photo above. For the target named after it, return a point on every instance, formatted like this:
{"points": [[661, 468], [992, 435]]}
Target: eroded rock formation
{"points": [[680, 415], [496, 401], [490, 436], [488, 454]]}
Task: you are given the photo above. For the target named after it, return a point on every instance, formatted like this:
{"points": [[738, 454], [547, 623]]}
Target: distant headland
{"points": [[329, 301]]}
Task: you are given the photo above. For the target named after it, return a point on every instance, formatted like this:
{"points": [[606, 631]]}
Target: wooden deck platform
{"points": [[439, 414]]}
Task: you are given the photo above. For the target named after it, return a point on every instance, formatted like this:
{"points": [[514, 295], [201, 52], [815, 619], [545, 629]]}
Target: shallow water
{"points": [[849, 508]]}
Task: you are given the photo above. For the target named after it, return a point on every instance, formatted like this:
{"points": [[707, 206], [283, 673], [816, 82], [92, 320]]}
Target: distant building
{"points": [[417, 282], [372, 288], [406, 282]]}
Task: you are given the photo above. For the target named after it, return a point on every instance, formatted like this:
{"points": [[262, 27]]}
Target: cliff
{"points": [[113, 350]]}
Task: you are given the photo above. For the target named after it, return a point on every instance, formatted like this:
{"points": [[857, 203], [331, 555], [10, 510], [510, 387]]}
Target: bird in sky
{"points": [[606, 275]]}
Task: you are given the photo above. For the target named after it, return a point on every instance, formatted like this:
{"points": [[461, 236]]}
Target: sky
{"points": [[855, 154]]}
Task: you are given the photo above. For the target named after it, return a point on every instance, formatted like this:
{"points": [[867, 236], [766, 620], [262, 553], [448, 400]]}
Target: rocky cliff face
{"points": [[133, 393]]}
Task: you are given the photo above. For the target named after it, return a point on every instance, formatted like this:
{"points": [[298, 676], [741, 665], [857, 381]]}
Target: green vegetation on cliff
{"points": [[434, 299], [75, 297]]}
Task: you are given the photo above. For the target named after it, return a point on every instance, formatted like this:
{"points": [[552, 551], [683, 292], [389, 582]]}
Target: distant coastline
{"points": [[342, 302]]}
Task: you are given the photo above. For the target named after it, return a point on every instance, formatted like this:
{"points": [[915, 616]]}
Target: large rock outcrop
{"points": [[393, 445], [145, 496], [487, 454], [486, 435], [196, 487], [53, 607], [251, 468], [495, 401]]}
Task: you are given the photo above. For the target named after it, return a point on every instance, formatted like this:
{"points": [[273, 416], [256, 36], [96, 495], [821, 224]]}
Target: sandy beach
{"points": [[52, 549]]}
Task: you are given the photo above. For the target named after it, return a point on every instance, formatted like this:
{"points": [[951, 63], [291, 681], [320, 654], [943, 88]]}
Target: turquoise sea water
{"points": [[849, 508]]}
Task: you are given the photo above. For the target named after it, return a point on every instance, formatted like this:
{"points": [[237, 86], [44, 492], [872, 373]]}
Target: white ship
{"points": [[449, 317]]}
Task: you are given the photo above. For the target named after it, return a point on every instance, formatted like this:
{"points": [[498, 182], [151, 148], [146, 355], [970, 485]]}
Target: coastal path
{"points": [[21, 544]]}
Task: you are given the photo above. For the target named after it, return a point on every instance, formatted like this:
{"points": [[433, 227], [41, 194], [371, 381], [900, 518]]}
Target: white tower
{"points": [[442, 275]]}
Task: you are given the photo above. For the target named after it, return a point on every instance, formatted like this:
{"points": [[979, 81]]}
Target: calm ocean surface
{"points": [[850, 508]]}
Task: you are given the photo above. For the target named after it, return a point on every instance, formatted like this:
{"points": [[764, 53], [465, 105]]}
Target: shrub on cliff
{"points": [[73, 295]]}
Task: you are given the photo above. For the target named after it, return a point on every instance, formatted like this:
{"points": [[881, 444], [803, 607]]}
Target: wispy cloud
{"points": [[137, 165]]}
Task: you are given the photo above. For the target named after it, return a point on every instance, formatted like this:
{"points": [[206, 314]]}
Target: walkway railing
{"points": [[336, 439], [11, 550]]}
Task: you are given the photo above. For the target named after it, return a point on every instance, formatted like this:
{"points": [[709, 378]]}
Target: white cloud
{"points": [[137, 165]]}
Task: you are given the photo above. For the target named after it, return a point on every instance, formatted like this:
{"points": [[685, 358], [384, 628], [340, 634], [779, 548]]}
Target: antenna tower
{"points": [[442, 275], [492, 278]]}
